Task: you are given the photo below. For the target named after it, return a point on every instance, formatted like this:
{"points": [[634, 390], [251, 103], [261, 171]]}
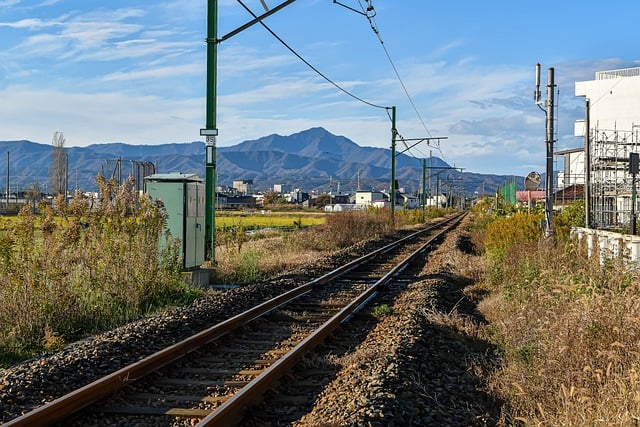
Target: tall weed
{"points": [[568, 329], [82, 267], [503, 233]]}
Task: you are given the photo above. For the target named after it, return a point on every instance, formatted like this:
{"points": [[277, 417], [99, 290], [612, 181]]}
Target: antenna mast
{"points": [[549, 112]]}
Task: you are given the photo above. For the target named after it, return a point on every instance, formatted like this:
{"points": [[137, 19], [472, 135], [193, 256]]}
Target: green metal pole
{"points": [[210, 132], [424, 187], [393, 164]]}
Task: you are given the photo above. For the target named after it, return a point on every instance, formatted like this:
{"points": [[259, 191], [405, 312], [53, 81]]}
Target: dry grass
{"points": [[82, 270], [242, 258], [570, 335]]}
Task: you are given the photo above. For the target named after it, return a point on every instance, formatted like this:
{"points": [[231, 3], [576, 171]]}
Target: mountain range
{"points": [[311, 160]]}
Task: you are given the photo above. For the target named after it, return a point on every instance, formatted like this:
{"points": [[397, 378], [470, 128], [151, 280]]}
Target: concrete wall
{"points": [[608, 245]]}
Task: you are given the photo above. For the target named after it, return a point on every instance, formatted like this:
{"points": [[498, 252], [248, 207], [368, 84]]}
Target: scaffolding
{"points": [[611, 182]]}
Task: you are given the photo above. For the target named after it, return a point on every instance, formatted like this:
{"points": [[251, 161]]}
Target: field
{"points": [[267, 219]]}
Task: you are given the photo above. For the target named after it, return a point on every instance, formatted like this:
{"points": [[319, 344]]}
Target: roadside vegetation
{"points": [[83, 267], [247, 258], [567, 328]]}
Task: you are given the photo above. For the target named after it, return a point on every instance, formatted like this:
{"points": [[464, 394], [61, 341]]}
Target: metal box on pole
{"points": [[183, 196]]}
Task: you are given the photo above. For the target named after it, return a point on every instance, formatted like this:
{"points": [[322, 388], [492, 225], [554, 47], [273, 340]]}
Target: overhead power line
{"points": [[309, 64], [369, 13]]}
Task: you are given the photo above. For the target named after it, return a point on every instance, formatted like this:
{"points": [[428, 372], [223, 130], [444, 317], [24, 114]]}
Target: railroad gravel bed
{"points": [[45, 378], [421, 365]]}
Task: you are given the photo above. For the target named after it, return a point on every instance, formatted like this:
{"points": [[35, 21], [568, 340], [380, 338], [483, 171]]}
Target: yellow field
{"points": [[258, 219], [249, 221]]}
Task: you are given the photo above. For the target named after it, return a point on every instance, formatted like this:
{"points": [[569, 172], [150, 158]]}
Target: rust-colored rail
{"points": [[229, 412]]}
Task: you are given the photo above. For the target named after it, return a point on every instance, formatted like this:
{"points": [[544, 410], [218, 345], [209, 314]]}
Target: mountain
{"points": [[313, 159]]}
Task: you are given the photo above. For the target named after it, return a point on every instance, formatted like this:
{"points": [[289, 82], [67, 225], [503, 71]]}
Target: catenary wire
{"points": [[309, 64], [370, 13]]}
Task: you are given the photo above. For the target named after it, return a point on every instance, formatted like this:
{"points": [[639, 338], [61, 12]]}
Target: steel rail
{"points": [[60, 408], [230, 412]]}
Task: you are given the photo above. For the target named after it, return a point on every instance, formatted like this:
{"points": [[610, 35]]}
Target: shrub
{"points": [[503, 233], [93, 266], [572, 215]]}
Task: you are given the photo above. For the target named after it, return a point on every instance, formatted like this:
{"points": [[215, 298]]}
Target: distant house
{"points": [[371, 198], [221, 200], [340, 198], [439, 201], [409, 202], [296, 196], [343, 207]]}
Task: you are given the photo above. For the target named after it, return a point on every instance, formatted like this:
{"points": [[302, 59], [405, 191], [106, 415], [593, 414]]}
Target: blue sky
{"points": [[134, 72]]}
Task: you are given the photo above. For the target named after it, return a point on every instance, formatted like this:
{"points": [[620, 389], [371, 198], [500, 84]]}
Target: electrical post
{"points": [[8, 187], [424, 163], [634, 165], [424, 188], [587, 168], [550, 136], [393, 165], [210, 132]]}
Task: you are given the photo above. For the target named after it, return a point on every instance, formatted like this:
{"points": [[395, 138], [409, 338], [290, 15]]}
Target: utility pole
{"points": [[430, 164], [437, 175], [8, 188], [393, 165], [587, 167], [210, 132], [550, 104], [424, 167], [424, 188], [634, 163]]}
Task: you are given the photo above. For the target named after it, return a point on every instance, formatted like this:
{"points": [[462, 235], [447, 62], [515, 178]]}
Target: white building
{"points": [[370, 198], [409, 202], [244, 186], [573, 171], [614, 118]]}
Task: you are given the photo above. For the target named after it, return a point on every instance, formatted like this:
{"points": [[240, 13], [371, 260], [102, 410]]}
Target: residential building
{"points": [[370, 198]]}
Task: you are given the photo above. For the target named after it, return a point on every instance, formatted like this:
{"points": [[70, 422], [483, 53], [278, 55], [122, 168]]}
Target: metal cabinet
{"points": [[183, 196]]}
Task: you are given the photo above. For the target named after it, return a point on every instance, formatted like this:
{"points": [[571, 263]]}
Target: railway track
{"points": [[213, 376]]}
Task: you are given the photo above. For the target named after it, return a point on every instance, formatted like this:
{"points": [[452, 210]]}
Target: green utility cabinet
{"points": [[183, 197]]}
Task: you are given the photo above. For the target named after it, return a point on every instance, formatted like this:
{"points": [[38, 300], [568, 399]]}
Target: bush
{"points": [[93, 266], [572, 215], [503, 233]]}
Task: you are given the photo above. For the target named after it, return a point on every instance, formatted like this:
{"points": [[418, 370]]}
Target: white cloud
{"points": [[30, 24], [155, 73], [91, 118]]}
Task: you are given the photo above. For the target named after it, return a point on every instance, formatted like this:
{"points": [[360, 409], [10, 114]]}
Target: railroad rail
{"points": [[214, 375]]}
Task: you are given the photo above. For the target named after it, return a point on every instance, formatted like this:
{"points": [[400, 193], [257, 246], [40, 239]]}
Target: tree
{"points": [[33, 193], [59, 165], [323, 200], [272, 198]]}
